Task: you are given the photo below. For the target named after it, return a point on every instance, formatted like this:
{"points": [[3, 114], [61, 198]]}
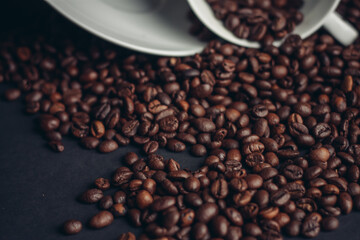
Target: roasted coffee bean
{"points": [[102, 183], [252, 229], [204, 125], [12, 94], [151, 147], [192, 184], [106, 202], [118, 210], [72, 227], [345, 202], [97, 129], [119, 197], [320, 154], [254, 181], [101, 220], [206, 212], [92, 195], [219, 189], [129, 129], [187, 217], [121, 176], [329, 223], [198, 150], [144, 199], [170, 217], [89, 142], [49, 122], [79, 129], [254, 159], [127, 236], [293, 228], [280, 197], [310, 228], [219, 226], [107, 146], [169, 124], [134, 217], [56, 146], [175, 145], [295, 189], [163, 203], [199, 231], [268, 173]]}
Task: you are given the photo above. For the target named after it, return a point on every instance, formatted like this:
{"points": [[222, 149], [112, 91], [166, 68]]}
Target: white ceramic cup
{"points": [[158, 27], [317, 13]]}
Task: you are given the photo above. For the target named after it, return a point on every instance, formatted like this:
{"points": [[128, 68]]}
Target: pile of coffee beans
{"points": [[279, 128], [258, 20]]}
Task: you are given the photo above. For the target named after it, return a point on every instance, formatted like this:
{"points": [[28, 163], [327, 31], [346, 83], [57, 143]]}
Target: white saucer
{"points": [[158, 27]]}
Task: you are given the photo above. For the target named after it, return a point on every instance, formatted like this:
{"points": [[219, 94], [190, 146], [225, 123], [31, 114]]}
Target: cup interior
{"points": [[315, 13]]}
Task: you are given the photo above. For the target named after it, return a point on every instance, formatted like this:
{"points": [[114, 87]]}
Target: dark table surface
{"points": [[38, 188]]}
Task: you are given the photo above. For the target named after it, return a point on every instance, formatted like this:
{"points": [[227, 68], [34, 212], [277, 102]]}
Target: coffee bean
{"points": [[163, 203], [102, 183], [49, 123], [219, 226], [204, 125], [206, 212], [170, 217], [175, 145], [144, 199], [97, 129], [129, 129], [134, 217], [219, 189], [92, 195], [101, 220], [192, 184], [12, 94], [106, 202], [199, 231], [345, 202], [107, 146], [330, 223], [118, 210], [254, 181], [252, 229], [57, 146], [280, 197], [151, 147], [198, 150], [293, 172], [293, 228], [169, 124], [320, 154], [127, 236], [72, 227], [310, 228]]}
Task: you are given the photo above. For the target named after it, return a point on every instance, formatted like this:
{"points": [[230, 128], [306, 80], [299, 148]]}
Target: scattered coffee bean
{"points": [[72, 227], [12, 94], [101, 220]]}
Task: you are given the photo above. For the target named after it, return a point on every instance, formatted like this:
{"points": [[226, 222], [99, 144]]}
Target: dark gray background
{"points": [[38, 188]]}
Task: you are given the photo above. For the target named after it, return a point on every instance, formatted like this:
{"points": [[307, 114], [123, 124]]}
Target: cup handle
{"points": [[343, 31]]}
